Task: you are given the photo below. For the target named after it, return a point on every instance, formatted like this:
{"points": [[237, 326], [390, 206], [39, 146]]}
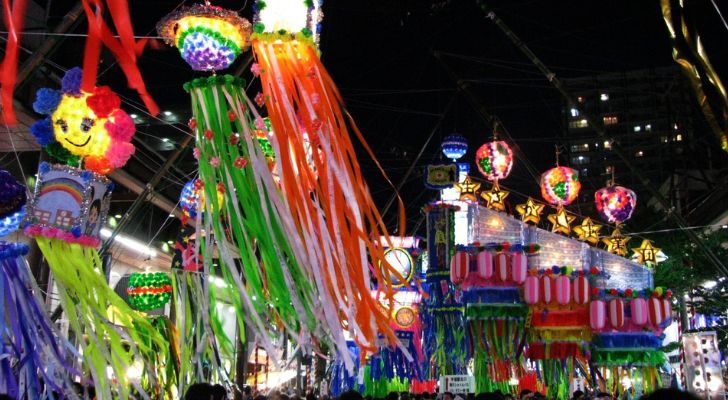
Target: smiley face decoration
{"points": [[84, 127]]}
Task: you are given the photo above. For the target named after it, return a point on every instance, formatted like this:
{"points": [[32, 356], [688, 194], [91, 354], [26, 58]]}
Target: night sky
{"points": [[381, 54]]}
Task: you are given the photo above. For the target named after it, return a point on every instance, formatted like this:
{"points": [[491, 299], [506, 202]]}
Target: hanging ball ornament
{"points": [[454, 146], [615, 203], [494, 160], [560, 186], [149, 290], [209, 38]]}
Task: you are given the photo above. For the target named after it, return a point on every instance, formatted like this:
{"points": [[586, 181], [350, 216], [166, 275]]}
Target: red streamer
{"points": [[13, 18]]}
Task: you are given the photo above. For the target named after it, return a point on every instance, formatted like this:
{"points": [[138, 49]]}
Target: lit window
{"points": [[580, 147], [583, 123], [574, 112], [674, 126], [610, 120], [648, 127], [580, 160], [678, 137], [663, 139], [637, 128], [585, 172], [580, 99], [607, 144], [604, 96], [639, 154]]}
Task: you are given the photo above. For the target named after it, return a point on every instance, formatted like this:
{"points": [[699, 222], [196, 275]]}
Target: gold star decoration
{"points": [[646, 253], [494, 197], [561, 221], [467, 189], [530, 211], [617, 243], [588, 231]]}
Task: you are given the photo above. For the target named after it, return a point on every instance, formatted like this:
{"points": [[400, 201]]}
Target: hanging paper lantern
{"points": [[638, 308], [208, 38], [616, 313], [88, 126], [494, 160], [547, 288], [519, 267], [484, 262], [581, 290], [615, 203], [560, 186], [655, 312], [459, 267], [563, 290], [192, 197], [597, 314], [666, 308], [531, 290], [454, 146], [502, 267], [149, 291]]}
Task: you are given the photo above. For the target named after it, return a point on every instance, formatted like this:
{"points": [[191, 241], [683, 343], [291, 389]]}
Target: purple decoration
{"points": [[205, 53], [71, 82], [615, 204], [12, 194]]}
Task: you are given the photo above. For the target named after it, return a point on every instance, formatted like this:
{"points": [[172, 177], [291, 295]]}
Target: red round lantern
{"points": [[581, 290], [655, 312], [616, 313], [494, 160], [615, 203], [459, 267], [560, 186], [502, 273]]}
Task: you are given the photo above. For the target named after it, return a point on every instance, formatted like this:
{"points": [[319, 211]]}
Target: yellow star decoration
{"points": [[561, 221], [617, 243], [467, 189], [494, 198], [530, 211], [588, 231], [646, 253]]}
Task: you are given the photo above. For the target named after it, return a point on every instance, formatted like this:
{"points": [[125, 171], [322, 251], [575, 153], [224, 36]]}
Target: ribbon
{"points": [[13, 16]]}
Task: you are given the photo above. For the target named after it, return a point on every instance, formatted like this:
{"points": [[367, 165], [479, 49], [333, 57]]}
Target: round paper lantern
{"points": [[149, 291], [531, 290], [597, 314], [454, 146], [563, 290], [638, 308], [494, 160], [501, 267], [459, 267], [616, 313], [655, 312], [189, 199], [208, 38], [581, 290], [560, 186], [484, 265], [666, 309], [519, 267], [547, 288], [615, 203]]}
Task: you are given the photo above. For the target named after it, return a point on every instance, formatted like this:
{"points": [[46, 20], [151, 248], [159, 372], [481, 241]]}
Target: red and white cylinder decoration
{"points": [[581, 290], [531, 289], [616, 313], [501, 267], [666, 309], [459, 267], [597, 314], [519, 267], [638, 308], [484, 265], [547, 289], [563, 290], [655, 313]]}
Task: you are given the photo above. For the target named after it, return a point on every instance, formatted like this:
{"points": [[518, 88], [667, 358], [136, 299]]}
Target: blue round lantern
{"points": [[454, 146], [189, 199]]}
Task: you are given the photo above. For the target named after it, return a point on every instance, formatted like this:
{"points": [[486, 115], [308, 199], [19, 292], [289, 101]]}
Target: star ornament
{"points": [[468, 189], [646, 253], [530, 211], [617, 243], [561, 221], [588, 231], [495, 197]]}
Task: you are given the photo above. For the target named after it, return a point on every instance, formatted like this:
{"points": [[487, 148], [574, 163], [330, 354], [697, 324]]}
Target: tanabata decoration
{"points": [[441, 176], [494, 160], [495, 197], [12, 203], [14, 20], [468, 189], [454, 147], [588, 231], [560, 186], [561, 221], [149, 291], [617, 243], [646, 253], [615, 204], [83, 127], [530, 211]]}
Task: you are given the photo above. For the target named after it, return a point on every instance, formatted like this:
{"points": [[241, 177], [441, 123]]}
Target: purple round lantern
{"points": [[615, 203]]}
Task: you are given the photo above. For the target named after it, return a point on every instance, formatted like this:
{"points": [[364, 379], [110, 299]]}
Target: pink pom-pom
{"points": [[48, 232], [120, 127], [119, 153]]}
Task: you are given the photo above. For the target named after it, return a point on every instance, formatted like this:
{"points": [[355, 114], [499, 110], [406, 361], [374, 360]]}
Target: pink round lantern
{"points": [[638, 308], [563, 290], [494, 160], [459, 267], [581, 290], [484, 263], [616, 313], [666, 309], [560, 186], [519, 267], [531, 290], [655, 313], [547, 288], [501, 267], [615, 203], [597, 314]]}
